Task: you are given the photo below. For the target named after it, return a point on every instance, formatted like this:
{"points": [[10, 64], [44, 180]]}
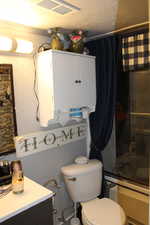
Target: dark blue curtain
{"points": [[107, 54]]}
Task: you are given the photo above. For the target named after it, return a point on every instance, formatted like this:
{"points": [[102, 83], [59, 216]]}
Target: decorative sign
{"points": [[44, 140]]}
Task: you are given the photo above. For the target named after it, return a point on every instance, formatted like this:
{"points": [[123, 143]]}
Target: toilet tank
{"points": [[83, 181]]}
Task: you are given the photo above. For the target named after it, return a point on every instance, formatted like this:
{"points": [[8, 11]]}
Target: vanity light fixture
{"points": [[5, 43], [15, 45], [24, 46]]}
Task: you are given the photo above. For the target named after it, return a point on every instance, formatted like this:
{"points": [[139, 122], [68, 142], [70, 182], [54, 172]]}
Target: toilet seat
{"points": [[102, 212]]}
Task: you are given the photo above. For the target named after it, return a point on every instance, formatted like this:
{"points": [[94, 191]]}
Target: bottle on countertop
{"points": [[17, 177]]}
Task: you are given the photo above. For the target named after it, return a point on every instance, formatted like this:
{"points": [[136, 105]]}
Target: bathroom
{"points": [[46, 165]]}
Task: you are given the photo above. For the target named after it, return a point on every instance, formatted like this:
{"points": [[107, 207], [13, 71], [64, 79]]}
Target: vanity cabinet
{"points": [[41, 214], [64, 80], [31, 207]]}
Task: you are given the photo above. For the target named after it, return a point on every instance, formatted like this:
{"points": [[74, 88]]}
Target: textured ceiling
{"points": [[131, 12], [96, 16]]}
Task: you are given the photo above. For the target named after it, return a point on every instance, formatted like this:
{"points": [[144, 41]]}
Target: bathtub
{"points": [[133, 198]]}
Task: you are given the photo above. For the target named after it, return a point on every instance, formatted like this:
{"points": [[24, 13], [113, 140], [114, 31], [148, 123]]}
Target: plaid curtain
{"points": [[136, 51]]}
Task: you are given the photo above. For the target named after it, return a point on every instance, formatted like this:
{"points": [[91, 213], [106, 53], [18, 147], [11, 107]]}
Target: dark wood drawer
{"points": [[40, 214]]}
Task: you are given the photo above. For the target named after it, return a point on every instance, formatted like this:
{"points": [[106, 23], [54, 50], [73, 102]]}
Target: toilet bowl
{"points": [[102, 212], [83, 181]]}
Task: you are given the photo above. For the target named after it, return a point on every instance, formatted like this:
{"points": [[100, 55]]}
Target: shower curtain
{"points": [[107, 52]]}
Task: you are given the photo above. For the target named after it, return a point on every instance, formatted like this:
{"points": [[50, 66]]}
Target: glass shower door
{"points": [[133, 127], [140, 123]]}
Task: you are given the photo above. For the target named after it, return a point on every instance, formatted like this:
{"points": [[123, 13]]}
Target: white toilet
{"points": [[83, 183]]}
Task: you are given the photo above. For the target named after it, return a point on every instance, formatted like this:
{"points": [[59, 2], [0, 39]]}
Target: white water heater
{"points": [[65, 80]]}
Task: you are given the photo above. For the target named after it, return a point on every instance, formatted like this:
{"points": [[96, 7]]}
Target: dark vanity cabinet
{"points": [[31, 207], [40, 214]]}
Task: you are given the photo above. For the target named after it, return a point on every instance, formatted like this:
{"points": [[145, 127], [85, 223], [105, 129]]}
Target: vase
{"points": [[77, 46], [56, 43]]}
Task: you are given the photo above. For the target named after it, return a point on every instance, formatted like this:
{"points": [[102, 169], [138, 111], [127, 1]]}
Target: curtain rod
{"points": [[116, 31]]}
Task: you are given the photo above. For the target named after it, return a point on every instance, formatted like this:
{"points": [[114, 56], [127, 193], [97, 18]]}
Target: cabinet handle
{"points": [[72, 179], [78, 81]]}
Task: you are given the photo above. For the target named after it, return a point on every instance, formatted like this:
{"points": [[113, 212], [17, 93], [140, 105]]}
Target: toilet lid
{"points": [[103, 212]]}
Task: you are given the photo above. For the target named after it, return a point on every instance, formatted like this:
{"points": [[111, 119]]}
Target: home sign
{"points": [[45, 140]]}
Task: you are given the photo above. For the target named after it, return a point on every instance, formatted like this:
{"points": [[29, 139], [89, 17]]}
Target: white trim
{"points": [[128, 185], [67, 53]]}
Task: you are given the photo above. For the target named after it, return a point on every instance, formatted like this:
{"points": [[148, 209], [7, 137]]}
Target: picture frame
{"points": [[8, 127]]}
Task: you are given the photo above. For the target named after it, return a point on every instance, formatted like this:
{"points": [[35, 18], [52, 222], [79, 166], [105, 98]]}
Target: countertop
{"points": [[12, 204]]}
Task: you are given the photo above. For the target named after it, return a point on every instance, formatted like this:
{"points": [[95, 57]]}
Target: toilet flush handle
{"points": [[72, 179]]}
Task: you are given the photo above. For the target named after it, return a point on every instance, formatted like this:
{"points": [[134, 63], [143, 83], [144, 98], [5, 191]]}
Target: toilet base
{"points": [[79, 213], [84, 222]]}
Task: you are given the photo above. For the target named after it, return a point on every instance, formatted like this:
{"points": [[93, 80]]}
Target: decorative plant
{"points": [[59, 39], [77, 40], [77, 35]]}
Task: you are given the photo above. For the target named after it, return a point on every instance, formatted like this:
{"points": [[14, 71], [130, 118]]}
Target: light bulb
{"points": [[5, 43], [24, 46]]}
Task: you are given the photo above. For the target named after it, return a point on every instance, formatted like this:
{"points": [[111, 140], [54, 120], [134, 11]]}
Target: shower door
{"points": [[133, 126]]}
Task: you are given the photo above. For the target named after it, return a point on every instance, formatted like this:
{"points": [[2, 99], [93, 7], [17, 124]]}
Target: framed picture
{"points": [[8, 128]]}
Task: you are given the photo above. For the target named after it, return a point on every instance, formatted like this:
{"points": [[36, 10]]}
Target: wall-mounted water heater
{"points": [[65, 80]]}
